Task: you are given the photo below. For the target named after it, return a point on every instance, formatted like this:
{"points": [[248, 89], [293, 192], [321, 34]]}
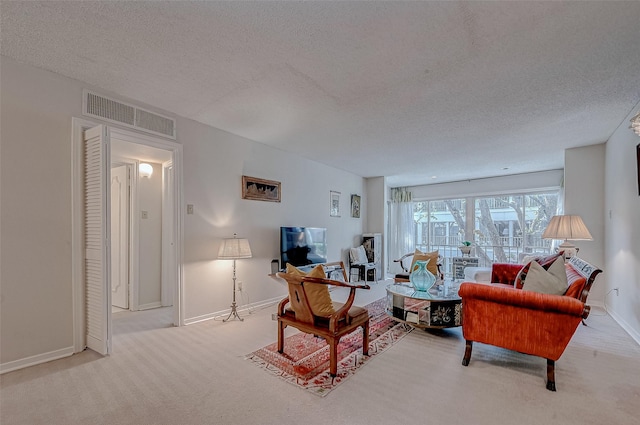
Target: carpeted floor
{"points": [[198, 375]]}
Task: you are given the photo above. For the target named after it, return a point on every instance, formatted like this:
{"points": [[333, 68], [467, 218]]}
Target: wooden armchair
{"points": [[295, 310], [405, 264]]}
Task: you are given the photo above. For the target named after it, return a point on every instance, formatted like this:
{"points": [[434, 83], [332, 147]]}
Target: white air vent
{"points": [[95, 105]]}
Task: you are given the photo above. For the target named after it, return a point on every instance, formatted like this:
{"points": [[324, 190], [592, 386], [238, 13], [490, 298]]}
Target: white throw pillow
{"points": [[552, 281], [358, 255]]}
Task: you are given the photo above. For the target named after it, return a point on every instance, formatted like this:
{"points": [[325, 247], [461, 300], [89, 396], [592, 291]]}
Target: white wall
{"points": [[375, 221], [584, 196], [622, 228], [35, 217], [489, 186], [35, 208], [214, 162]]}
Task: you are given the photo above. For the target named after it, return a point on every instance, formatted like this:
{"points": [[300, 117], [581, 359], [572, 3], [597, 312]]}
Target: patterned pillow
{"points": [[317, 293], [545, 262]]}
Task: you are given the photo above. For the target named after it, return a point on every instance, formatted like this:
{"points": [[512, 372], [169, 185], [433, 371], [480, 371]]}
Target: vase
{"points": [[421, 278], [465, 249]]}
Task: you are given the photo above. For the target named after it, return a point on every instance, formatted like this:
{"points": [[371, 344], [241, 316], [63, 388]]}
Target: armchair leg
{"points": [[467, 353], [333, 357], [551, 375], [281, 327], [365, 338]]}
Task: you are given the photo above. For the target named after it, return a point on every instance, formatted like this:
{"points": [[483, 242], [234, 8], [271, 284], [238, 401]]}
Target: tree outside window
{"points": [[503, 229]]}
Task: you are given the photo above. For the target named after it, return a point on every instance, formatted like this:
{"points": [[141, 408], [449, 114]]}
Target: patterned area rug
{"points": [[305, 361]]}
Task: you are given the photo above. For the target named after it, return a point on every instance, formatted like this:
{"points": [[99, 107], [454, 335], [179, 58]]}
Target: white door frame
{"points": [[78, 126], [167, 295]]}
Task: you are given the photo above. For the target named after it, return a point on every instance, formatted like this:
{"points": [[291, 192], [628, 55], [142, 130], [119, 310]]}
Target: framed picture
{"points": [[260, 189], [355, 206], [334, 204]]}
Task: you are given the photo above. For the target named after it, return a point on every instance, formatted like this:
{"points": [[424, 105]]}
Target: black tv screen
{"points": [[301, 246]]}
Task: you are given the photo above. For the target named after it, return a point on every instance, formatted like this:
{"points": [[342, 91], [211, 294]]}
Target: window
{"points": [[502, 228]]}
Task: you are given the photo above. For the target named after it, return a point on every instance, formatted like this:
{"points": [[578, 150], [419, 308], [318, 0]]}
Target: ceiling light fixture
{"points": [[635, 124]]}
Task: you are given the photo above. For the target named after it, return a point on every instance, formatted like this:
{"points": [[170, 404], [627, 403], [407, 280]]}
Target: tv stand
{"points": [[333, 270]]}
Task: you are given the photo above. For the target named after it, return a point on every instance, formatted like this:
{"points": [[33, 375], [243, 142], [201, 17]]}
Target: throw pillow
{"points": [[432, 266], [358, 255], [545, 262], [317, 293], [552, 281]]}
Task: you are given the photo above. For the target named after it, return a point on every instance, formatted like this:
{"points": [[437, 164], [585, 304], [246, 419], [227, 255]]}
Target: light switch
{"points": [[145, 215], [190, 209]]}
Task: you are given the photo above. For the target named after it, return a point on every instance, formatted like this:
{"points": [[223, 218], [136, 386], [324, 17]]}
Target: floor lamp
{"points": [[233, 249]]}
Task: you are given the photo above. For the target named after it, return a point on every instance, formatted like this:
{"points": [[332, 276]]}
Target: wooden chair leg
{"points": [[281, 327], [467, 353], [365, 338], [551, 375], [333, 357]]}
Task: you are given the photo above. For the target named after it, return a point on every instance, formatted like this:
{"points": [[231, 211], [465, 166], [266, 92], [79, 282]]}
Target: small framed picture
{"points": [[355, 206], [260, 189], [334, 204]]}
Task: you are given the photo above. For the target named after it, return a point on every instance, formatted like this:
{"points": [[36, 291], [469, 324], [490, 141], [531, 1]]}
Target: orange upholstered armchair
{"points": [[539, 324]]}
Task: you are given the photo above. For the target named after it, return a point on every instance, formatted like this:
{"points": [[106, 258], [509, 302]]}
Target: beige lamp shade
{"points": [[567, 227], [234, 248]]}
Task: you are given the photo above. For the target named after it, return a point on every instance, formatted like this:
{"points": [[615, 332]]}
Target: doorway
{"points": [[167, 157]]}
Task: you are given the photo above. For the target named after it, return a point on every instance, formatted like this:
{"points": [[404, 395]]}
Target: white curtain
{"points": [[401, 227]]}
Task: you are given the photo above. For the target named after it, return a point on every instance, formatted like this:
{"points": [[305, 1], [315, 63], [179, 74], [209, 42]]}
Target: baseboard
{"points": [[624, 325], [244, 308], [149, 306], [34, 360]]}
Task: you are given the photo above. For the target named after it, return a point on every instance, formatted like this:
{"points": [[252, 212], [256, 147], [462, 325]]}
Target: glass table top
{"points": [[406, 290]]}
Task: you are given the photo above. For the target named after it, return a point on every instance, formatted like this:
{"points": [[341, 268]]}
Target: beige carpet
{"points": [[198, 375]]}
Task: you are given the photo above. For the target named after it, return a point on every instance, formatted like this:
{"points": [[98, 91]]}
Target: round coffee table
{"points": [[424, 309]]}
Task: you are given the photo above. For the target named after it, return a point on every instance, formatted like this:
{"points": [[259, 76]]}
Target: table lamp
{"points": [[567, 227], [233, 249]]}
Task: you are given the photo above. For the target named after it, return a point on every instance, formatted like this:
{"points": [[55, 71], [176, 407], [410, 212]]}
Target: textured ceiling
{"points": [[407, 90]]}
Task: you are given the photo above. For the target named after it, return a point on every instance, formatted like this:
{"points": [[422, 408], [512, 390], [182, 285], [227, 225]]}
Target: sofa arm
{"points": [[504, 272], [518, 298]]}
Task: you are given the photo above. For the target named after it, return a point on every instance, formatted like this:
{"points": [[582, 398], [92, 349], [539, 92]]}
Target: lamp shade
{"points": [[567, 227], [234, 248]]}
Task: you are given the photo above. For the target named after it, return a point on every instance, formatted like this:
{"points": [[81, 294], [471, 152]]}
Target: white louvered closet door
{"points": [[97, 230]]}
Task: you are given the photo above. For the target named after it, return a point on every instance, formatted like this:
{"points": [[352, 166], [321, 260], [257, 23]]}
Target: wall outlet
{"points": [[274, 316], [189, 208], [239, 285]]}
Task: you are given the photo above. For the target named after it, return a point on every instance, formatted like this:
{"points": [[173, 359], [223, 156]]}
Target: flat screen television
{"points": [[302, 246]]}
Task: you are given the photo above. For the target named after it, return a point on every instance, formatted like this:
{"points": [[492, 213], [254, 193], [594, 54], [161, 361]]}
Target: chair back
{"points": [[298, 300]]}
